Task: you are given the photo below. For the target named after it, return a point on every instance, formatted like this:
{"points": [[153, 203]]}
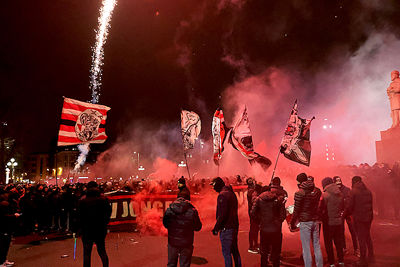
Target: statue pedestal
{"points": [[388, 149]]}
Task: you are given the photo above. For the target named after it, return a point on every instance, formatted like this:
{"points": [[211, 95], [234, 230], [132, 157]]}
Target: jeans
{"points": [[364, 239], [87, 251], [271, 240], [184, 255], [309, 231], [334, 234], [352, 231], [229, 244], [253, 233], [5, 240]]}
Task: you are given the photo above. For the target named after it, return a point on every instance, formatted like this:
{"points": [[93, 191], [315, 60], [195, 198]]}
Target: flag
{"points": [[242, 140], [219, 133], [191, 127], [295, 143], [82, 122]]}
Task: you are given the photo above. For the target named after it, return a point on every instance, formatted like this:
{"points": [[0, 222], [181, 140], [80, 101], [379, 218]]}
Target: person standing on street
{"points": [[331, 210], [360, 207], [181, 219], [94, 212], [349, 220], [306, 202], [227, 224], [183, 190], [270, 210]]}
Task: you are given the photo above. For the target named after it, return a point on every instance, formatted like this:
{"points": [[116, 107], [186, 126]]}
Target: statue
{"points": [[393, 92]]}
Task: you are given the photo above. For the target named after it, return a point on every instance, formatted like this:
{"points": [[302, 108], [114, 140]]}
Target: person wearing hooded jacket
{"points": [[360, 207], [227, 224], [94, 212], [270, 209], [306, 202], [181, 219], [349, 220], [331, 209]]}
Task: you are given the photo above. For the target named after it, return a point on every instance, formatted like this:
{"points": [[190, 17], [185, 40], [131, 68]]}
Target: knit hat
{"points": [[326, 181], [356, 179], [182, 180], [92, 184], [302, 177], [218, 183], [276, 181]]}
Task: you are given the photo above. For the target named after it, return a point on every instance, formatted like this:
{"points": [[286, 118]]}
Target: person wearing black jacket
{"points": [[94, 212], [252, 194], [7, 221], [306, 202], [270, 209], [227, 224], [360, 207], [181, 219]]}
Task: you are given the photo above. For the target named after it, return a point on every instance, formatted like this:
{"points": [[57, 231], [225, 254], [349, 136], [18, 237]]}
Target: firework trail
{"points": [[106, 11], [84, 149]]}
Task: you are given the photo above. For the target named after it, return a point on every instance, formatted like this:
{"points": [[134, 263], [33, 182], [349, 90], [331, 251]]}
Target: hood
{"points": [[267, 196], [307, 185], [333, 189], [180, 206]]}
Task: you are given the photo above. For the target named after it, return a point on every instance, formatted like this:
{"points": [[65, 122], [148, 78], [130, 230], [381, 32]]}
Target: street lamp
{"points": [[12, 163], [138, 158]]}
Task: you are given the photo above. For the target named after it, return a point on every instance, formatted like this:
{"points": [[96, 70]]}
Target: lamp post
{"points": [[12, 163], [138, 158]]}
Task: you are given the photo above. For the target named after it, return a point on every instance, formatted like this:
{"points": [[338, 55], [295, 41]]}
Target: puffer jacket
{"points": [[181, 219], [306, 203], [360, 203], [270, 210], [332, 205]]}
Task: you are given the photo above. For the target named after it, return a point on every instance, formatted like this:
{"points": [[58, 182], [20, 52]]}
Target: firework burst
{"points": [[106, 11]]}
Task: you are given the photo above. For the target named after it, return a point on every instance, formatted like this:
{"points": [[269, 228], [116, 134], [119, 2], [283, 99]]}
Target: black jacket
{"points": [[94, 212], [7, 218], [360, 203], [306, 202], [227, 210], [270, 210], [181, 219]]}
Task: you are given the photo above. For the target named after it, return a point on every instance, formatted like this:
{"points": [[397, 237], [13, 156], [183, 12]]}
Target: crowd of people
{"points": [[41, 208]]}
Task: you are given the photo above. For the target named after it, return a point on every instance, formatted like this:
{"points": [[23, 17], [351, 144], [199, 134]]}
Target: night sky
{"points": [[162, 56]]}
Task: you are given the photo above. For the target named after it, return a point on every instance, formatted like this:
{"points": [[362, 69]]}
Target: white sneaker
{"points": [[341, 264], [8, 263]]}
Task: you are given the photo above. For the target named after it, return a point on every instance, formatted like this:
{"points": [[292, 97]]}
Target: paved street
{"points": [[133, 249]]}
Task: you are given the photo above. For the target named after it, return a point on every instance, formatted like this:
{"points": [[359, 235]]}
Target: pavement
{"points": [[135, 249]]}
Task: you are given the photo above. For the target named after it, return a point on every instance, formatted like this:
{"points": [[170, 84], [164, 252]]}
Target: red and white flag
{"points": [[295, 143], [82, 122], [242, 140], [219, 133]]}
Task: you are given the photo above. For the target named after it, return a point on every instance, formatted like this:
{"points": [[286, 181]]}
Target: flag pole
{"points": [[187, 165], [276, 163]]}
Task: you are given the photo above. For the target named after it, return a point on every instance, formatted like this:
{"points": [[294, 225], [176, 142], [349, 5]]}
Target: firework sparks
{"points": [[106, 11]]}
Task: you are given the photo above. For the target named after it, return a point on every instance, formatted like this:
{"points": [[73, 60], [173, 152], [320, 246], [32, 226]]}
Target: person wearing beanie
{"points": [[227, 224], [331, 209], [94, 211], [361, 208], [306, 202], [349, 221], [278, 189], [183, 190], [182, 220]]}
